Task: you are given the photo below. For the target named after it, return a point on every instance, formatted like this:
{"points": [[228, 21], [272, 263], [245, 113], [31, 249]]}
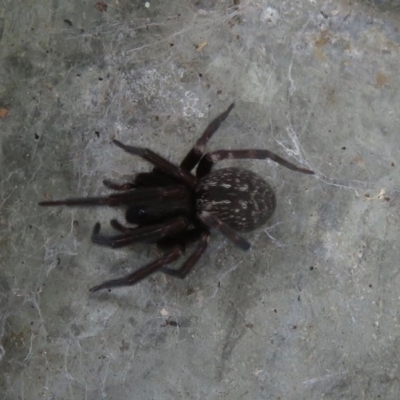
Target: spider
{"points": [[173, 207]]}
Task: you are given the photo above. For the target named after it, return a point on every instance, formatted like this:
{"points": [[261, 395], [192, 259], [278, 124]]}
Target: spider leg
{"points": [[143, 272], [192, 260], [127, 197], [194, 155], [149, 233], [160, 163], [214, 222], [118, 186], [207, 162]]}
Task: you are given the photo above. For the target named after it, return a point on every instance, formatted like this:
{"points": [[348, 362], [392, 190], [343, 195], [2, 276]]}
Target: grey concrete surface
{"points": [[312, 310]]}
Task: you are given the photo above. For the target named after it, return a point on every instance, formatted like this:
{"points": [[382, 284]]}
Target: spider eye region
{"points": [[238, 197]]}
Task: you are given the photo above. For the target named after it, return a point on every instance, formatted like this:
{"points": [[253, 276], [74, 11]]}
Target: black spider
{"points": [[173, 207]]}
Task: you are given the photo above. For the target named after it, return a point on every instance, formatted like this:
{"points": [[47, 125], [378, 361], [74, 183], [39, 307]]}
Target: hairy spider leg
{"points": [[160, 163], [169, 256], [143, 272], [214, 222], [149, 233], [192, 260], [210, 159], [127, 197], [195, 154]]}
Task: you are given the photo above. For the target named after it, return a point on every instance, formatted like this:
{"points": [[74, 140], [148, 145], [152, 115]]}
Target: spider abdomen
{"points": [[237, 197]]}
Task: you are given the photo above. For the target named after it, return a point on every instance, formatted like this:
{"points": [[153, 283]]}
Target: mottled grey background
{"points": [[312, 311]]}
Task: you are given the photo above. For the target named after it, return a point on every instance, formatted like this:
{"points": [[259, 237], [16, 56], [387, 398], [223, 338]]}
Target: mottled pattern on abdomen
{"points": [[238, 197]]}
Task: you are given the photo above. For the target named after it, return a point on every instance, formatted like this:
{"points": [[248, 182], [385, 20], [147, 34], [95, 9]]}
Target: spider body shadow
{"points": [[173, 207]]}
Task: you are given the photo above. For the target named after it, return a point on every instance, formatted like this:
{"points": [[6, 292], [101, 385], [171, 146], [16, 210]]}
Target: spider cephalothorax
{"points": [[173, 208]]}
